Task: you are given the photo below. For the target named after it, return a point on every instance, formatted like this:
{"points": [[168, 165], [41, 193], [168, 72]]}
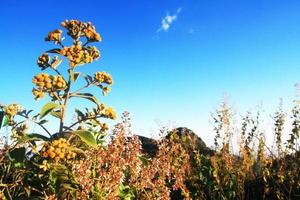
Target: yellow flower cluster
{"points": [[90, 33], [42, 81], [54, 35], [57, 150], [110, 113], [103, 77], [94, 52], [78, 55], [43, 61], [47, 83], [58, 82], [12, 109], [77, 29], [38, 94], [74, 28]]}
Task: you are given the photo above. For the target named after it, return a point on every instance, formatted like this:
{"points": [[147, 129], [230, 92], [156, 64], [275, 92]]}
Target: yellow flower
{"points": [[74, 28], [90, 33], [93, 52], [12, 109], [54, 35], [38, 94], [77, 29], [43, 61], [78, 55], [103, 77], [41, 80], [47, 84], [110, 113], [59, 83], [57, 150]]}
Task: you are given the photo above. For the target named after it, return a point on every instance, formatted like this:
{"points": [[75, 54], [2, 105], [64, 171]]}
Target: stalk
{"points": [[64, 107]]}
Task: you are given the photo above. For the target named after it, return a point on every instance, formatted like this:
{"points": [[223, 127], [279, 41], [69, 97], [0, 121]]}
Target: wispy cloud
{"points": [[168, 20]]}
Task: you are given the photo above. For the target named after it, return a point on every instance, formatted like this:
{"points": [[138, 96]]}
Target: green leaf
{"points": [[36, 136], [53, 177], [47, 108], [1, 117], [80, 114], [17, 155], [53, 51], [88, 79], [87, 96], [32, 137], [6, 121], [76, 150], [144, 160], [87, 137], [125, 192], [42, 122], [56, 113]]}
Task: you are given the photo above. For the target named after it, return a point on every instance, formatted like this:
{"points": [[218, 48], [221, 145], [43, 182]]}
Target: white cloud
{"points": [[167, 21]]}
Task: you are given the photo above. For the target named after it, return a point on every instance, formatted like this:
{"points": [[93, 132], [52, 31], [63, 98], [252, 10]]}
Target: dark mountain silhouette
{"points": [[149, 146], [188, 139]]}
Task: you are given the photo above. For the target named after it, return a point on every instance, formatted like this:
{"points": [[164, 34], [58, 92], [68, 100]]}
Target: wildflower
{"points": [[12, 109], [47, 83], [43, 61], [57, 150], [78, 55], [110, 113], [77, 29], [74, 28], [42, 80], [54, 35], [103, 77], [91, 34], [38, 94], [59, 83], [94, 52]]}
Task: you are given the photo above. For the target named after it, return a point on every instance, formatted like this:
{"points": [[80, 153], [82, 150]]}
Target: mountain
{"points": [[188, 139]]}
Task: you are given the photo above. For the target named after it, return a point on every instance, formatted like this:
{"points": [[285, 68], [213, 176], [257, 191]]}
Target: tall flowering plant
{"points": [[52, 153]]}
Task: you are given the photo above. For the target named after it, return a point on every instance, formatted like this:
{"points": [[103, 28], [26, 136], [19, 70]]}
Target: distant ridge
{"points": [[188, 139]]}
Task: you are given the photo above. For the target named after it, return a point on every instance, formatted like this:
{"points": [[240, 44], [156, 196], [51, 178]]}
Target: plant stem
{"points": [[85, 119], [64, 107], [56, 71], [86, 86]]}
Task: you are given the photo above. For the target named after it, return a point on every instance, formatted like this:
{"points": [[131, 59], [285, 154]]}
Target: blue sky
{"points": [[172, 61]]}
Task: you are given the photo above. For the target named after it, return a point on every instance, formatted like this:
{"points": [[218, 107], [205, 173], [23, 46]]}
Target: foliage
{"points": [[256, 171]]}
